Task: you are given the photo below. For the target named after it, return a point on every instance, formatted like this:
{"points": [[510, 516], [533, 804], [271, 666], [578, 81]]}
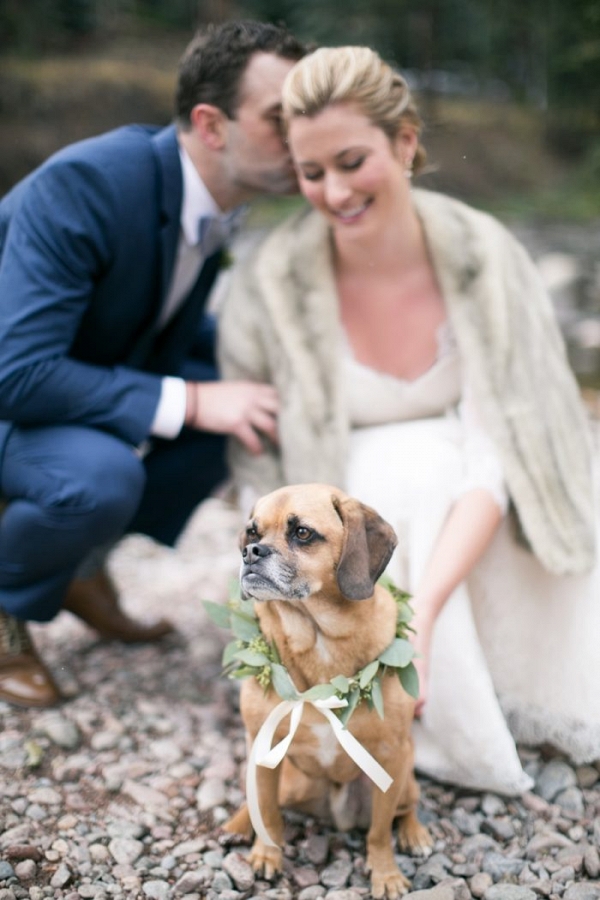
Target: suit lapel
{"points": [[170, 187]]}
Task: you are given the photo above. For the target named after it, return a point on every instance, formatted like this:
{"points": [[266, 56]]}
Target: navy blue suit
{"points": [[87, 250]]}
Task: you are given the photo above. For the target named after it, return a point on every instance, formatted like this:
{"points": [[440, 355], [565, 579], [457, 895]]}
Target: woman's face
{"points": [[350, 170]]}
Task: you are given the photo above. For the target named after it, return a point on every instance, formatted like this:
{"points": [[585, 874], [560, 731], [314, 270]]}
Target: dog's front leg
{"points": [[386, 878], [264, 858]]}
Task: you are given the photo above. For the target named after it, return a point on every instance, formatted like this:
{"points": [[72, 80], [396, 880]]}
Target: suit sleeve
{"points": [[57, 246]]}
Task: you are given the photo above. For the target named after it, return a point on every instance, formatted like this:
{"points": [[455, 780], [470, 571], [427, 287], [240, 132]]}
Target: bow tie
{"points": [[216, 231]]}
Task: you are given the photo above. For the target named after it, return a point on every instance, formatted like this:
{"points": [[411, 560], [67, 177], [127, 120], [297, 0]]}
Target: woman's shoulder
{"points": [[437, 208]]}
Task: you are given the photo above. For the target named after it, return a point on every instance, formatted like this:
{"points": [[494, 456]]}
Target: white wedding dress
{"points": [[516, 651]]}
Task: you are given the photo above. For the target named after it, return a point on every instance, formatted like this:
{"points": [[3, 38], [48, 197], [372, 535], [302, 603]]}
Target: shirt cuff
{"points": [[170, 412]]}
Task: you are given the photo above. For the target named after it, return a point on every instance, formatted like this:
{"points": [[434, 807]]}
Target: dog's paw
{"points": [[239, 824], [389, 884], [413, 837], [266, 861]]}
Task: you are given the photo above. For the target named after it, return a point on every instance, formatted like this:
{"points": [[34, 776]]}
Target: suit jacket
{"points": [[87, 249]]}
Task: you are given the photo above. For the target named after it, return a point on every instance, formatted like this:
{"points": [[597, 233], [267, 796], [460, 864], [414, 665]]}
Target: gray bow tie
{"points": [[216, 231]]}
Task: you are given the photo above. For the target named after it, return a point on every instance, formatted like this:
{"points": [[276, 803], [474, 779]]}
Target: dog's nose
{"points": [[252, 552]]}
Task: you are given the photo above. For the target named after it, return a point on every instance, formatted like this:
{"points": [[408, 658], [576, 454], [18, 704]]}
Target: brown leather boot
{"points": [[95, 601], [24, 679]]}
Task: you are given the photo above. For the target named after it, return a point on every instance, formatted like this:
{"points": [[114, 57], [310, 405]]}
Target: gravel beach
{"points": [[119, 792]]}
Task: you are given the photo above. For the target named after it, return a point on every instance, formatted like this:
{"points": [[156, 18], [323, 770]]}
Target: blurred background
{"points": [[509, 91]]}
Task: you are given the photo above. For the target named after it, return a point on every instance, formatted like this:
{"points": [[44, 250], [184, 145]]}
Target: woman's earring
{"points": [[408, 170]]}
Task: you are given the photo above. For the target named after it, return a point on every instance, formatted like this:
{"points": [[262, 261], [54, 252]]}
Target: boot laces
{"points": [[14, 637]]}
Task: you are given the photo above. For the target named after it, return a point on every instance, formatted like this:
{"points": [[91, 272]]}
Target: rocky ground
{"points": [[119, 793]]}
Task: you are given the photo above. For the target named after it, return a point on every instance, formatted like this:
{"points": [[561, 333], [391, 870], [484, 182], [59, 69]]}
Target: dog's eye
{"points": [[303, 533], [251, 532]]}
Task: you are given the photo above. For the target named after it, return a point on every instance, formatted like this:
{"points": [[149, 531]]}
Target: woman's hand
{"points": [[421, 641]]}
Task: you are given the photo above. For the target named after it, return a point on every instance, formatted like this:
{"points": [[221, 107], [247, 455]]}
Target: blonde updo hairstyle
{"points": [[352, 75]]}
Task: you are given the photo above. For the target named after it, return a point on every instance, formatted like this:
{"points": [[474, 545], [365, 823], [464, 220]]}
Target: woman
{"points": [[420, 367]]}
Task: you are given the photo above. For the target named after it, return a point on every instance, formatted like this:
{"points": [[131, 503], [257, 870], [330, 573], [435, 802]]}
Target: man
{"points": [[111, 418]]}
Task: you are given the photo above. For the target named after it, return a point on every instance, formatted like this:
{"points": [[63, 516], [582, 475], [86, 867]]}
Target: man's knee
{"points": [[76, 477]]}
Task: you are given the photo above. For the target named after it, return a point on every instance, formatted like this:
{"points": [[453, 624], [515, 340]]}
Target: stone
{"points": [[556, 776], [479, 883], [60, 730], [62, 877], [195, 881], [6, 870], [337, 874], [499, 866], [509, 892], [239, 870], [157, 890], [314, 892], [591, 861], [25, 870], [571, 800], [583, 890], [305, 876], [125, 850]]}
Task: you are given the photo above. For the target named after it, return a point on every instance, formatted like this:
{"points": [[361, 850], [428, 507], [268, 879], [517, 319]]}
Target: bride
{"points": [[419, 366]]}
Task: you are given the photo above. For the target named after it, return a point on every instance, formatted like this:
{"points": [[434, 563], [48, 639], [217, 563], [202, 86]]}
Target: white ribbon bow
{"points": [[262, 754]]}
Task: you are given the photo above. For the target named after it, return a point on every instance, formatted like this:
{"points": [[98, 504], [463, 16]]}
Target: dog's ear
{"points": [[369, 542]]}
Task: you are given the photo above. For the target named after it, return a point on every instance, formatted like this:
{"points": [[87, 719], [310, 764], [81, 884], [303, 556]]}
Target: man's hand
{"points": [[244, 409]]}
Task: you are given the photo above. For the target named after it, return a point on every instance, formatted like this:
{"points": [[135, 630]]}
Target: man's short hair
{"points": [[213, 65]]}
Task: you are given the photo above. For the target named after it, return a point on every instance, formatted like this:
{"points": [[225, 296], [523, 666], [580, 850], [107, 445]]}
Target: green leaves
{"points": [[251, 655], [398, 654]]}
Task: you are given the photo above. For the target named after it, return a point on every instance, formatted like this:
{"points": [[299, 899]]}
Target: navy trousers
{"points": [[72, 489]]}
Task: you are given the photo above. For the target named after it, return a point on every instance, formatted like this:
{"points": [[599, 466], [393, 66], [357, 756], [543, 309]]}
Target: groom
{"points": [[111, 417]]}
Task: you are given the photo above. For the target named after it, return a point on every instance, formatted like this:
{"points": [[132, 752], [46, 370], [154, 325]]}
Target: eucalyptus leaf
{"points": [[398, 654], [282, 683], [366, 675], [251, 657], [409, 679], [377, 697], [218, 613], [242, 672], [319, 692], [243, 627], [353, 698], [340, 683], [228, 653]]}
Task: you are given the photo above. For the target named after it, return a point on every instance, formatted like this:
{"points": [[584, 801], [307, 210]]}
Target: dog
{"points": [[311, 560]]}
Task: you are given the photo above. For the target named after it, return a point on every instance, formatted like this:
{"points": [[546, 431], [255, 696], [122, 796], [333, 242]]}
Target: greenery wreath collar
{"points": [[250, 654]]}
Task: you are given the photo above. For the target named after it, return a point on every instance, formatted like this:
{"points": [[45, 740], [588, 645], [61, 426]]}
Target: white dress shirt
{"points": [[197, 202]]}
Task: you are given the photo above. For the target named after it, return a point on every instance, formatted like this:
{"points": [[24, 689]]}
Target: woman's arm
{"points": [[465, 535]]}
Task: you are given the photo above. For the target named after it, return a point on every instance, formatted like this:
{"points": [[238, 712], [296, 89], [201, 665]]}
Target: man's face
{"points": [[257, 159]]}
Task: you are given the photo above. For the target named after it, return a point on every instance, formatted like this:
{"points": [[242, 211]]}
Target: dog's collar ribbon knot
{"points": [[263, 754]]}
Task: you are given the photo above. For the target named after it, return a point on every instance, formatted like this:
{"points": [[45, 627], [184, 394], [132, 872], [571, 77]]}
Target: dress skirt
{"points": [[516, 650]]}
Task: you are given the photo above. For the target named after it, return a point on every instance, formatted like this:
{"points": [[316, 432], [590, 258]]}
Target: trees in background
{"points": [[540, 52]]}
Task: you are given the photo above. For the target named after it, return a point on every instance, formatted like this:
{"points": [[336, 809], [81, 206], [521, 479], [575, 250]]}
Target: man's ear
{"points": [[210, 124]]}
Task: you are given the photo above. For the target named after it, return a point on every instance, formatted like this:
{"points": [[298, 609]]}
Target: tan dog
{"points": [[311, 558]]}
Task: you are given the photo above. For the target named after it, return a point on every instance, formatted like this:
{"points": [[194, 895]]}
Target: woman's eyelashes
{"points": [[350, 165]]}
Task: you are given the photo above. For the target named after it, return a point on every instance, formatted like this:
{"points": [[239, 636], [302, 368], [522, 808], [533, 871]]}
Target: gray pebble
{"points": [[499, 866], [125, 850], [337, 874], [157, 890], [583, 891], [6, 870], [60, 730], [556, 776], [314, 892], [570, 800], [239, 870], [509, 892]]}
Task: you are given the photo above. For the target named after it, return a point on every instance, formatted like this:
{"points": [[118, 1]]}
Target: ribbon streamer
{"points": [[262, 754]]}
